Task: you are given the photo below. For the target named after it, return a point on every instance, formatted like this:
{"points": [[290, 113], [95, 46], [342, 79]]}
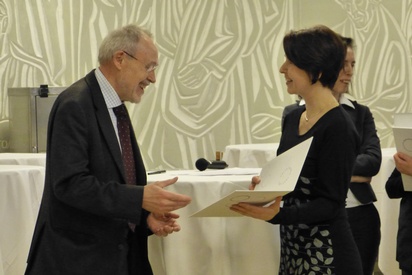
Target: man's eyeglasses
{"points": [[149, 68]]}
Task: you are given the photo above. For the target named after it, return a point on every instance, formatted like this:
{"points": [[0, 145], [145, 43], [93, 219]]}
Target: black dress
{"points": [[315, 233]]}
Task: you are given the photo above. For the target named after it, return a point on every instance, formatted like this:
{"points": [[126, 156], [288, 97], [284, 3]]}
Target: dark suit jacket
{"points": [[82, 227], [394, 188], [368, 162]]}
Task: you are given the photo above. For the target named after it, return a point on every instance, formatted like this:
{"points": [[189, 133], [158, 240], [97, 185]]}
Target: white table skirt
{"points": [[21, 189], [36, 159], [210, 246]]}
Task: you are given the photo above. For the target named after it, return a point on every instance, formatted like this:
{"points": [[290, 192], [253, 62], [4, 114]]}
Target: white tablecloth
{"points": [[37, 159], [210, 246], [21, 189], [249, 155]]}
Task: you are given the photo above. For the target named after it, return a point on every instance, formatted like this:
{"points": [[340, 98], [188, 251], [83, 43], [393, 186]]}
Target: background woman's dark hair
{"points": [[319, 51], [348, 42]]}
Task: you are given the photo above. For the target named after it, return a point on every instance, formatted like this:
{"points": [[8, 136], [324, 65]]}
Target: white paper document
{"points": [[278, 177], [402, 120], [402, 133], [403, 142]]}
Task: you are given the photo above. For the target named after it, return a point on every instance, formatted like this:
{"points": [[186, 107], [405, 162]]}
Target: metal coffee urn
{"points": [[29, 110]]}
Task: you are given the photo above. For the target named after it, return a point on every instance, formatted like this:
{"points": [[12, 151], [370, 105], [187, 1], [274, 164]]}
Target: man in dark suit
{"points": [[93, 219]]}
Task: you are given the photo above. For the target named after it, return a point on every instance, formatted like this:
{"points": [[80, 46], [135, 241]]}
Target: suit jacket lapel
{"points": [[104, 121]]}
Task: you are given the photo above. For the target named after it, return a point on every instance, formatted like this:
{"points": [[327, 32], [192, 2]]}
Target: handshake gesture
{"points": [[161, 203]]}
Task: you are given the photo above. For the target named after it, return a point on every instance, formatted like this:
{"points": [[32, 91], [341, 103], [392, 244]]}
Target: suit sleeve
{"points": [[369, 160], [394, 185]]}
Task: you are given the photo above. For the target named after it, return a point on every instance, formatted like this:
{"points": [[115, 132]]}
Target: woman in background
{"points": [[314, 229], [362, 214]]}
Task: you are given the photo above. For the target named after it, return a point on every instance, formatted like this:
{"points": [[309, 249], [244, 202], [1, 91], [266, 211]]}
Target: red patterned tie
{"points": [[124, 127]]}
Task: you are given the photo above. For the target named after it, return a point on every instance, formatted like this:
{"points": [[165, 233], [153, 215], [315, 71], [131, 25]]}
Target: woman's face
{"points": [[297, 80], [345, 75]]}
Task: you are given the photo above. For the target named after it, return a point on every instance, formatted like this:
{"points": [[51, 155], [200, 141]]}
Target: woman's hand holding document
{"points": [[257, 212], [277, 178]]}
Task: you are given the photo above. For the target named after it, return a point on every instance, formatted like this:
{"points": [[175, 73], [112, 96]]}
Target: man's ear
{"points": [[118, 58]]}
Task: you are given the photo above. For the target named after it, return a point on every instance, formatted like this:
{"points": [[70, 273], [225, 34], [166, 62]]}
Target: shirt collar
{"points": [[345, 101], [109, 94]]}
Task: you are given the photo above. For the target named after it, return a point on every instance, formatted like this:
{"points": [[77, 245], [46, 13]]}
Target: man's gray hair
{"points": [[123, 39]]}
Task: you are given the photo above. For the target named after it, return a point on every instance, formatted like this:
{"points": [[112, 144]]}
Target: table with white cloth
{"points": [[21, 189], [249, 155], [214, 245], [37, 159]]}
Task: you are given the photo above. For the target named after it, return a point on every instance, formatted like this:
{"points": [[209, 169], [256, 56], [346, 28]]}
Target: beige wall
{"points": [[218, 80]]}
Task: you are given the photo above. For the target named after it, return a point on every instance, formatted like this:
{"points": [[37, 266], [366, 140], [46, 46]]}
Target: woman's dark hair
{"points": [[347, 42], [319, 51]]}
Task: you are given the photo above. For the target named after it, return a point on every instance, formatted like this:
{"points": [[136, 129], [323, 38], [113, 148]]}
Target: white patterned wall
{"points": [[218, 82]]}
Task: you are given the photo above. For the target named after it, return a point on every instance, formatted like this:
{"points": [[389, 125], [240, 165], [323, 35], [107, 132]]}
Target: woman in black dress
{"points": [[314, 228]]}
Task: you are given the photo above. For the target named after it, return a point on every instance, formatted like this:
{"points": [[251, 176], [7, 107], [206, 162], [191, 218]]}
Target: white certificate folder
{"points": [[402, 133], [403, 142], [277, 178]]}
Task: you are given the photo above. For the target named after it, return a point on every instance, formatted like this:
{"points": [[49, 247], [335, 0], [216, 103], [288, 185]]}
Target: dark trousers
{"points": [[137, 264], [406, 272], [365, 225]]}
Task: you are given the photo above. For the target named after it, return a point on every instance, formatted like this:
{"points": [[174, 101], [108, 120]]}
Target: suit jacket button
{"points": [[120, 247]]}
